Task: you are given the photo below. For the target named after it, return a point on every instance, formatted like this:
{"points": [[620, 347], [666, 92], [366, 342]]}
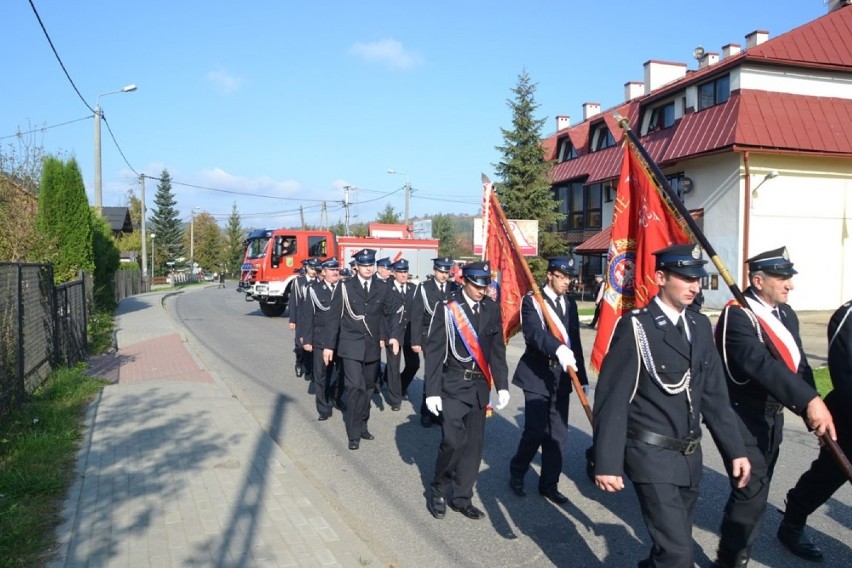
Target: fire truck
{"points": [[273, 258]]}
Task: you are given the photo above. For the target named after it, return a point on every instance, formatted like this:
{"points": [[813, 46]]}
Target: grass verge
{"points": [[100, 328], [823, 381], [38, 448]]}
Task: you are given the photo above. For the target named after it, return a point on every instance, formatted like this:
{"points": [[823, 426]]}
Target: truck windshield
{"points": [[257, 248]]}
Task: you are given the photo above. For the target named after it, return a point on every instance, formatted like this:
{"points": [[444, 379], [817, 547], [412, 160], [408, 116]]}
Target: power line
{"points": [[43, 128], [111, 135], [59, 59]]}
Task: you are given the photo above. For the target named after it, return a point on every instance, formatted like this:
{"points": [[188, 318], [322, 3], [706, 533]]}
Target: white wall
{"points": [[808, 209], [797, 81]]}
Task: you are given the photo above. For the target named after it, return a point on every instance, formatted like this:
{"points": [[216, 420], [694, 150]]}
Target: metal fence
{"points": [[41, 326]]}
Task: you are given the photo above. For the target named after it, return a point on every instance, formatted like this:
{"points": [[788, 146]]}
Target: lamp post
{"points": [[153, 266], [192, 240], [769, 176], [98, 116], [407, 193]]}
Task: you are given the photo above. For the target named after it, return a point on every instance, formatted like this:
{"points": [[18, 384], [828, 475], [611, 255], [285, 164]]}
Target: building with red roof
{"points": [[757, 141]]}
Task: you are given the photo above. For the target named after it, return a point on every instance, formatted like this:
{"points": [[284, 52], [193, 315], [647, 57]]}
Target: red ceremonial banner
{"points": [[642, 223], [509, 282]]}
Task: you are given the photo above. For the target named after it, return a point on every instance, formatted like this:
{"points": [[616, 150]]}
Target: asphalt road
{"points": [[380, 490]]}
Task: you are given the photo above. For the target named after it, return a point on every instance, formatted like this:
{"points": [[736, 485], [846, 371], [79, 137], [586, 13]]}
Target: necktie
{"points": [[776, 312], [443, 291], [681, 329], [366, 288], [476, 314], [560, 309]]}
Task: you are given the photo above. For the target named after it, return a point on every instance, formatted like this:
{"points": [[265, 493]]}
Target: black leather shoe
{"points": [[437, 506], [299, 370], [554, 495], [324, 417], [517, 486], [395, 407], [469, 511], [354, 444], [365, 435], [425, 421], [796, 542]]}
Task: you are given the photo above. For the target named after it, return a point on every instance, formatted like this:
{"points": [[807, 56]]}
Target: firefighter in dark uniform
{"points": [[359, 332], [383, 269], [760, 387], [464, 354], [825, 476], [661, 375], [314, 318], [398, 381], [432, 292], [297, 298], [542, 376]]}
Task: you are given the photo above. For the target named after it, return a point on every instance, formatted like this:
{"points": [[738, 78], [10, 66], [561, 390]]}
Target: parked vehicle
{"points": [[273, 258]]}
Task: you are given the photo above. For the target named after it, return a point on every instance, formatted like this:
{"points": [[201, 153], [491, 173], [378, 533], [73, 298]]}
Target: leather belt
{"points": [[685, 447], [465, 375], [765, 407]]}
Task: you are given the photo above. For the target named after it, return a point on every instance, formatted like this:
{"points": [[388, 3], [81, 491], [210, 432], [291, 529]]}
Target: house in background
{"points": [[118, 219], [757, 143]]}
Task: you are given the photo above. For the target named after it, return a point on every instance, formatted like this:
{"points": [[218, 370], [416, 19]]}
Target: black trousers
{"points": [[545, 427], [321, 376], [745, 507], [398, 381], [360, 378], [824, 477], [460, 452], [667, 510]]}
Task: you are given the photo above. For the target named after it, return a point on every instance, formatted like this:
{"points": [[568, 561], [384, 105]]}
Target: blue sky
{"points": [[295, 100]]}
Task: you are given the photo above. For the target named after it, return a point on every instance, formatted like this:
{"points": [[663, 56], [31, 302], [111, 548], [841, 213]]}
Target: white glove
{"points": [[566, 357], [502, 399], [433, 403]]}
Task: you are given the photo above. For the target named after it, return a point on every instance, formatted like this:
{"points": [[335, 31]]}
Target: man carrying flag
{"points": [[465, 355], [761, 386], [541, 373]]}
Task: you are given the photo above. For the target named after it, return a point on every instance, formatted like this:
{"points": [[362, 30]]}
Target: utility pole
{"points": [[324, 217], [346, 189], [407, 197], [145, 286], [302, 215]]}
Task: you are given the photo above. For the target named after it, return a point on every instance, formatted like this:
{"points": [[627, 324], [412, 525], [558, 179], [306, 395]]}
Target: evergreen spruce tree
{"points": [[64, 216], [234, 249], [524, 188], [166, 225]]}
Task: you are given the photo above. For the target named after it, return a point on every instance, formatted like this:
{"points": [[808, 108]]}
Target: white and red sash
{"points": [[771, 328], [462, 323]]}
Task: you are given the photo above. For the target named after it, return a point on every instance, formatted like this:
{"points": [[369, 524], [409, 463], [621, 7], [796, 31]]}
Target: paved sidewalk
{"points": [[174, 472]]}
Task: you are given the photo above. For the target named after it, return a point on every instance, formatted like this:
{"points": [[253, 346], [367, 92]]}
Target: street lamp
{"points": [[769, 176], [153, 266], [192, 240], [407, 193], [98, 116]]}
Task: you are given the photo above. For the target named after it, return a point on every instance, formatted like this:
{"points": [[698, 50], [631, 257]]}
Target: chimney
{"points": [[708, 59], [659, 73], [837, 4], [633, 90], [756, 38], [730, 49], [590, 110], [562, 121]]}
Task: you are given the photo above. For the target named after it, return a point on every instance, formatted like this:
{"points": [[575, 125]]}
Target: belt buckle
{"points": [[691, 446], [467, 376]]}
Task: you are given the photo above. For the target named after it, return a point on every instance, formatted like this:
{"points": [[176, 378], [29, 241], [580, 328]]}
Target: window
{"points": [[601, 137], [317, 246], [593, 206], [257, 248], [575, 218], [714, 92], [609, 191], [661, 117], [566, 150], [560, 194]]}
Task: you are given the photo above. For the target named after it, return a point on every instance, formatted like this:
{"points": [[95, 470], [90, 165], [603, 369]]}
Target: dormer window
{"points": [[714, 92], [601, 137], [566, 150], [662, 116]]}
